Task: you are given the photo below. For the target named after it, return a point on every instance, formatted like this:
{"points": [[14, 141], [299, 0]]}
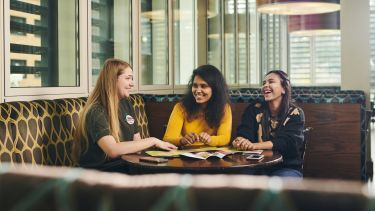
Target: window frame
{"points": [[2, 51], [25, 92]]}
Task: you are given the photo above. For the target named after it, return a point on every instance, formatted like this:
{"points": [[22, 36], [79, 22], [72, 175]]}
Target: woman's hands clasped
{"points": [[242, 144], [191, 138]]}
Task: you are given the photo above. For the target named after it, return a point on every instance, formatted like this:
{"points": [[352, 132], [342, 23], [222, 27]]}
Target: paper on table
{"points": [[205, 155], [177, 153], [227, 149]]}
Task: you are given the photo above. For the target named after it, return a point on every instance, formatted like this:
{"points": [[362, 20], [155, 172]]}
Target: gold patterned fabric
{"points": [[20, 135], [140, 112], [57, 124], [41, 132]]}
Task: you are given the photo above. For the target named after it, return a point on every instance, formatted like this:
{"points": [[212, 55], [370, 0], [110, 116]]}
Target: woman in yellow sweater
{"points": [[204, 116]]}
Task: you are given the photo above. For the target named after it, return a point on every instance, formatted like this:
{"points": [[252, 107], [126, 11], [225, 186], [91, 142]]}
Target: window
{"points": [[231, 39], [184, 40], [154, 67], [315, 60], [271, 42], [17, 22], [110, 32], [44, 35]]}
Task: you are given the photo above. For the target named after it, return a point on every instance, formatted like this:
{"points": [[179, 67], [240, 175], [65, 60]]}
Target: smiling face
{"points": [[202, 92], [125, 83], [272, 89]]}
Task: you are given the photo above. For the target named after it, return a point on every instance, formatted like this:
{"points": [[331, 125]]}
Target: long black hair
{"points": [[214, 111], [286, 102]]}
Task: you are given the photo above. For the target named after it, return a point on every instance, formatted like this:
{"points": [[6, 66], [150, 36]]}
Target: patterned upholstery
{"points": [[41, 132], [57, 122], [20, 134], [140, 112]]}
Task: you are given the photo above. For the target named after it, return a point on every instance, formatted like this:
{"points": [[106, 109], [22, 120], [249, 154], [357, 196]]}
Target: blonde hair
{"points": [[106, 95]]}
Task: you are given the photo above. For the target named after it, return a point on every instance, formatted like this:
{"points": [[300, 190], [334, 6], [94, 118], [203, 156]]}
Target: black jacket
{"points": [[288, 135]]}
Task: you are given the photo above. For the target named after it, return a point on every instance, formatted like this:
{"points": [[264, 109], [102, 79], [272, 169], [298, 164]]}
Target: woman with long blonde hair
{"points": [[107, 126]]}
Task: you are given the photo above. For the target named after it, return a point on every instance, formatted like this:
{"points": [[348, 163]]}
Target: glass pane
{"points": [[270, 42], [253, 55], [243, 69], [183, 32], [214, 33], [230, 41], [154, 42], [43, 43], [111, 32], [315, 59]]}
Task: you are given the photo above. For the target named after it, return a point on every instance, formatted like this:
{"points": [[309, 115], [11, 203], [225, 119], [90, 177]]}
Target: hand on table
{"points": [[165, 145], [242, 144]]}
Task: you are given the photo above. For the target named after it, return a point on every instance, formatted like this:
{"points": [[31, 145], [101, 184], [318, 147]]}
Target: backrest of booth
{"points": [[41, 131], [337, 146]]}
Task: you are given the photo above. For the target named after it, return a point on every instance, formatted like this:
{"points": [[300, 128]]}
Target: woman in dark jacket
{"points": [[275, 124]]}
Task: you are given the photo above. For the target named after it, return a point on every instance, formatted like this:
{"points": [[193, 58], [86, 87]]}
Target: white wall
{"points": [[355, 46]]}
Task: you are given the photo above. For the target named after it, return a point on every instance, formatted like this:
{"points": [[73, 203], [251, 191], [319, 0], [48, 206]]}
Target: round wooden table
{"points": [[229, 164]]}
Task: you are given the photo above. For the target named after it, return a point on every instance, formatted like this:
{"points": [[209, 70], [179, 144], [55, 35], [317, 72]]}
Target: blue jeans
{"points": [[280, 172], [284, 172]]}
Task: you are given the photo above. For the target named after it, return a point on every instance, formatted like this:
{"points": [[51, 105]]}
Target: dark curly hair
{"points": [[214, 111]]}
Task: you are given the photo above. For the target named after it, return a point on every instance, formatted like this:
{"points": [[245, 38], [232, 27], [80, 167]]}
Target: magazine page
{"points": [[176, 153], [205, 155]]}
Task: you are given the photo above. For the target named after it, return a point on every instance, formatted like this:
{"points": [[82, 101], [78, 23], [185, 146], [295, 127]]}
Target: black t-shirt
{"points": [[97, 126]]}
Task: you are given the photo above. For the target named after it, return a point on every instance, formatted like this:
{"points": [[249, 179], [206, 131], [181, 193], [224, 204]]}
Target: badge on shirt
{"points": [[129, 119]]}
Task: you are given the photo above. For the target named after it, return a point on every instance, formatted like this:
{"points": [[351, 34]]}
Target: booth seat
{"points": [[52, 188], [41, 132]]}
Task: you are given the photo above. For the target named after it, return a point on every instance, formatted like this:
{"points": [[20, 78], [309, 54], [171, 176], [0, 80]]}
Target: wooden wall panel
{"points": [[334, 150]]}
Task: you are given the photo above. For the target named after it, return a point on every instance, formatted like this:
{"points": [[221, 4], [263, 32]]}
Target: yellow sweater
{"points": [[178, 126]]}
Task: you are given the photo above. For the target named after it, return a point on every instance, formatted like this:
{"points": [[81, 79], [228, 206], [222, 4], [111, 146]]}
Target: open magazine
{"points": [[203, 152], [218, 154], [205, 155]]}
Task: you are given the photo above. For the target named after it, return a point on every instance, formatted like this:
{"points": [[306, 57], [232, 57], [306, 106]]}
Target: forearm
{"points": [[115, 149], [263, 145]]}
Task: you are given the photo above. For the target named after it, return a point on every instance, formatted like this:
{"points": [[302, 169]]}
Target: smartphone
{"points": [[153, 159], [255, 157]]}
